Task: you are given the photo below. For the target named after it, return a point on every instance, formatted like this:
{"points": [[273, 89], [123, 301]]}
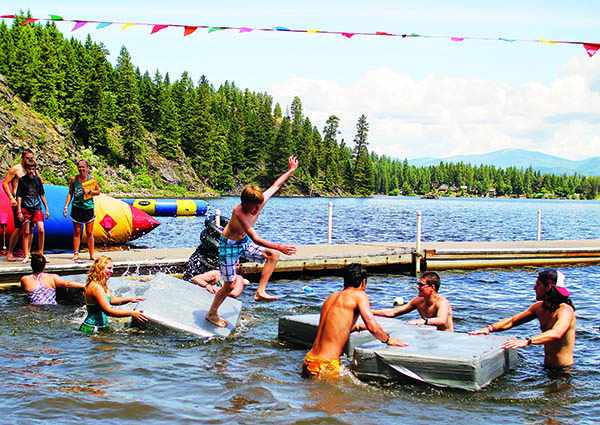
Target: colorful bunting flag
{"points": [[78, 25], [157, 28], [591, 48], [189, 30]]}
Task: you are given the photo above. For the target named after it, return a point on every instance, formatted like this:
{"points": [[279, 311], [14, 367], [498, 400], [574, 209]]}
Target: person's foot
{"points": [[92, 257], [10, 257], [216, 320], [25, 260], [264, 297], [75, 256]]}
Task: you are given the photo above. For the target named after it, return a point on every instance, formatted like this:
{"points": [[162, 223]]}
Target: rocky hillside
{"points": [[56, 153]]}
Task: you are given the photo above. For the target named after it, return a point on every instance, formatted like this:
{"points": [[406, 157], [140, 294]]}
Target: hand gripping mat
{"points": [[181, 306]]}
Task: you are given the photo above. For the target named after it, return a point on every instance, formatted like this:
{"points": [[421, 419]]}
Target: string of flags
{"points": [[590, 48]]}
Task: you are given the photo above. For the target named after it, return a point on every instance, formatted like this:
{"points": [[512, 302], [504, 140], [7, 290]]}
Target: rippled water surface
{"points": [[50, 372]]}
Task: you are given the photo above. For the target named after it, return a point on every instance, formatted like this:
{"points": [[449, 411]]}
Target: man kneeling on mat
{"points": [[339, 313]]}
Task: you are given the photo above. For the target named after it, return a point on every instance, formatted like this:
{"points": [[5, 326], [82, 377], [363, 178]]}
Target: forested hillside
{"points": [[174, 136]]}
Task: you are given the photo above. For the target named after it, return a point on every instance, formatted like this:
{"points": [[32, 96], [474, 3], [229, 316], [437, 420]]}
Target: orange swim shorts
{"points": [[313, 367]]}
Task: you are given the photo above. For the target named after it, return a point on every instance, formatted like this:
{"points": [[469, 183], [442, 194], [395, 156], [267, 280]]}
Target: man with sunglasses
{"points": [[435, 310], [556, 313]]}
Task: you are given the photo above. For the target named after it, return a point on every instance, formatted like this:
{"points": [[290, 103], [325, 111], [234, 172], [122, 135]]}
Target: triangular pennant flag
{"points": [[56, 18], [78, 24], [29, 20], [244, 29], [103, 25], [127, 25], [189, 30], [8, 16], [507, 39], [382, 33], [591, 49], [313, 31], [348, 34], [213, 29], [157, 28], [281, 29], [546, 41], [457, 39]]}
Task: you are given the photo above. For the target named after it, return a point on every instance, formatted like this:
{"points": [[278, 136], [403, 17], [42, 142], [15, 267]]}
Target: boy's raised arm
{"points": [[292, 164]]}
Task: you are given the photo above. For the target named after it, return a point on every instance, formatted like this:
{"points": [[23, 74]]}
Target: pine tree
{"points": [[363, 177], [129, 113]]}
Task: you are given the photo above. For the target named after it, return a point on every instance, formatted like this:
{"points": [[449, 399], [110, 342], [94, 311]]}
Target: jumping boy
{"points": [[29, 192], [240, 239]]}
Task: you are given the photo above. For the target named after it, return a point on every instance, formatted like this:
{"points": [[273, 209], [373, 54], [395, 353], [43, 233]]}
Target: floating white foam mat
{"points": [[181, 306], [302, 329], [447, 359]]}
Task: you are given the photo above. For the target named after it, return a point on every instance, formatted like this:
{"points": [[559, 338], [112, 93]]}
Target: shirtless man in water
{"points": [[10, 187], [434, 309], [339, 314], [556, 313], [240, 239]]}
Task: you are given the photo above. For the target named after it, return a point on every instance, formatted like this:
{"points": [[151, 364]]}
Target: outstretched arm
{"points": [[396, 311], [563, 322], [364, 308], [59, 281], [292, 164], [504, 324]]}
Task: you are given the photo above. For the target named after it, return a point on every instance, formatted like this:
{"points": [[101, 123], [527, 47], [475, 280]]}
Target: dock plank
{"points": [[328, 258]]}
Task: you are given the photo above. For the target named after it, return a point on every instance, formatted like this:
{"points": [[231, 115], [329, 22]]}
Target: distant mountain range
{"points": [[520, 158]]}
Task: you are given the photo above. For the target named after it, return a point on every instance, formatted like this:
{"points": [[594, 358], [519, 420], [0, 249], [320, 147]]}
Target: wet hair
{"points": [[84, 162], [252, 195], [38, 262], [354, 274], [553, 299], [96, 273], [432, 278]]}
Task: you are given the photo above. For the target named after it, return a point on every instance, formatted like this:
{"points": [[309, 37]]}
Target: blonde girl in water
{"points": [[99, 301]]}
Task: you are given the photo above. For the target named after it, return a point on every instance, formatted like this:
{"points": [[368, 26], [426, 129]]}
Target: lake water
{"points": [[50, 372]]}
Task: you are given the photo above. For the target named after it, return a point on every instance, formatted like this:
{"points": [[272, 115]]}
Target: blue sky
{"points": [[422, 96]]}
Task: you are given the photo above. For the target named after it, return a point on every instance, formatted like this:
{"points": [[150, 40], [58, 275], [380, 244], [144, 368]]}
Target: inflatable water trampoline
{"points": [[116, 222], [170, 207]]}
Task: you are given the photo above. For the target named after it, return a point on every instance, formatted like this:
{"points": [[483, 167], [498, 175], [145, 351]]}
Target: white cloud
{"points": [[443, 116]]}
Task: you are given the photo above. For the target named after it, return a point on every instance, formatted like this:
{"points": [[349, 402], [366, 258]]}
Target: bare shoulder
{"points": [[443, 300]]}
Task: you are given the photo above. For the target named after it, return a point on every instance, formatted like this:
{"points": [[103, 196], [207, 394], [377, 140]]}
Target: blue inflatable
{"points": [[170, 207]]}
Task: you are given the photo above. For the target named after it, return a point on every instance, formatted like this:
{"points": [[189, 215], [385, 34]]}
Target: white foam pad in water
{"points": [[448, 359], [181, 306]]}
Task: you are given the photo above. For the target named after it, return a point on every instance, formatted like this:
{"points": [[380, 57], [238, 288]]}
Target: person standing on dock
{"points": [[10, 187], [82, 189], [435, 310], [239, 239], [556, 313], [339, 314], [30, 197]]}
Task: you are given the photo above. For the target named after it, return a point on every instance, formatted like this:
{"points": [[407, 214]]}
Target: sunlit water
{"points": [[50, 372]]}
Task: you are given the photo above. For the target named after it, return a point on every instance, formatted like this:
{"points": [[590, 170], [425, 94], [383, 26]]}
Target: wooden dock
{"points": [[323, 259]]}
